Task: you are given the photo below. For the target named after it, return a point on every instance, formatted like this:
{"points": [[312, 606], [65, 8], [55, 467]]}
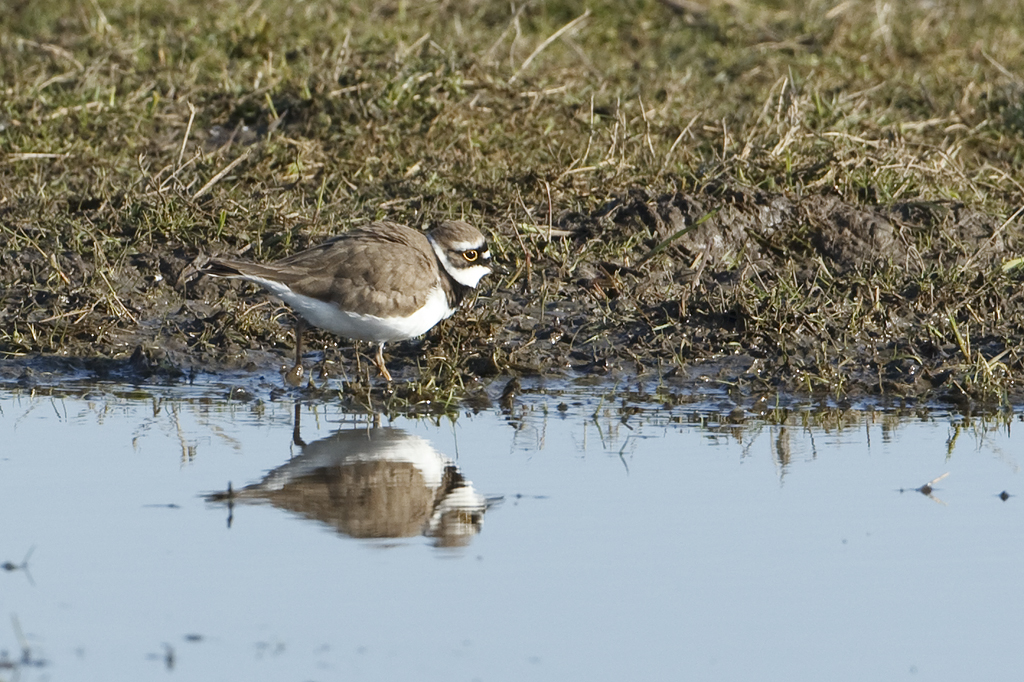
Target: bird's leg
{"points": [[296, 436], [379, 361], [359, 361], [294, 375]]}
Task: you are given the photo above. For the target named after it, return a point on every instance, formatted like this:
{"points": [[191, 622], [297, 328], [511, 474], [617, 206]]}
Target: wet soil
{"points": [[759, 292]]}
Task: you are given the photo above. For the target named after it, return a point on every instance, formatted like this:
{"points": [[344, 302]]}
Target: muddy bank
{"points": [[761, 292]]}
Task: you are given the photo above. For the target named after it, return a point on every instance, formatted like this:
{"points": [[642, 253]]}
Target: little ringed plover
{"points": [[383, 282]]}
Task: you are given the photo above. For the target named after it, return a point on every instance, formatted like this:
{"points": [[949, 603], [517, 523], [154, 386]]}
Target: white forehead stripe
{"points": [[466, 246]]}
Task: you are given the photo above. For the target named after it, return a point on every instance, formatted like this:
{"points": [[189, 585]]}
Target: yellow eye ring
{"points": [[470, 255]]}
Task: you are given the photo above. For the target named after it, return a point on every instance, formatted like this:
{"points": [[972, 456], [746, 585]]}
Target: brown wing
{"points": [[371, 268]]}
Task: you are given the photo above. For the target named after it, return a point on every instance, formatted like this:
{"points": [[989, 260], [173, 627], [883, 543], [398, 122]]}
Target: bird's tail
{"points": [[218, 267]]}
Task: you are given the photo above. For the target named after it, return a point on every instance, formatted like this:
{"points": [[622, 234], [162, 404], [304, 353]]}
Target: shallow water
{"points": [[587, 542]]}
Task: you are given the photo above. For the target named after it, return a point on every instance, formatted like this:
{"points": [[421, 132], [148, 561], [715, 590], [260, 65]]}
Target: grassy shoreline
{"points": [[850, 175]]}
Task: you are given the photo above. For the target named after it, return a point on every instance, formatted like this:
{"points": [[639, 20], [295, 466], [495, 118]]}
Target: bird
{"points": [[381, 283]]}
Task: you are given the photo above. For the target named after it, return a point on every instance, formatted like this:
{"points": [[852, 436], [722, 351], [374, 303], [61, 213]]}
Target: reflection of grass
{"points": [[174, 128], [28, 658]]}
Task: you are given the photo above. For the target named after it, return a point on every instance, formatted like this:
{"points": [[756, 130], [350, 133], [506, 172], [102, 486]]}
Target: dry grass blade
{"points": [[550, 39], [34, 156], [220, 176], [188, 131]]}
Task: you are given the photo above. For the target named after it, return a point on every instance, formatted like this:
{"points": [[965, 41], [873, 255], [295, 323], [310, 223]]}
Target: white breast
{"points": [[358, 326]]}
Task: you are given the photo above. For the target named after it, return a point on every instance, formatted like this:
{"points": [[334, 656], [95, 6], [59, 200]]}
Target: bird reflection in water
{"points": [[378, 482]]}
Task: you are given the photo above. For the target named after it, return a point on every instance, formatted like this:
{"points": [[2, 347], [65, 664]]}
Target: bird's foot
{"points": [[294, 376], [327, 370], [379, 361]]}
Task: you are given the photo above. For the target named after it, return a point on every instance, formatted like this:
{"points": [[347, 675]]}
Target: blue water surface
{"points": [[565, 538]]}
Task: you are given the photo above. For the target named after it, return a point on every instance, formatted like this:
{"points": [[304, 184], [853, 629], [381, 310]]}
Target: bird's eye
{"points": [[470, 255]]}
